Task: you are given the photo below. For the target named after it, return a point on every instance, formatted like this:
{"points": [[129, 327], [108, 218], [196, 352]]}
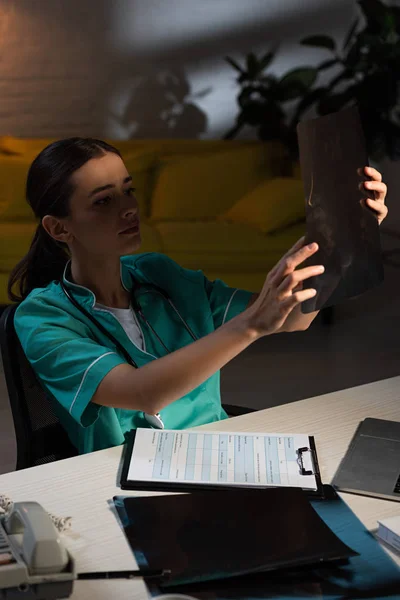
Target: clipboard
{"points": [[302, 453]]}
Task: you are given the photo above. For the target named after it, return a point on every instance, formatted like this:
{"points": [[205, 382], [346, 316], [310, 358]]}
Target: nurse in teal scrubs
{"points": [[120, 339]]}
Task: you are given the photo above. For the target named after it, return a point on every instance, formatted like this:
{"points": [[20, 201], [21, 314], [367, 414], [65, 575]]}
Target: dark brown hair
{"points": [[48, 192]]}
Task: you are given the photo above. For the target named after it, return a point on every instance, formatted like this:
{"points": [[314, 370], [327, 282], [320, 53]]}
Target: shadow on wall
{"points": [[171, 111], [85, 68], [157, 100]]}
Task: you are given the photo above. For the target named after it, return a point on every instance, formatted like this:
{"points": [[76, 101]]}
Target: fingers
{"points": [[378, 190], [378, 187], [291, 281], [289, 262], [380, 209], [294, 248], [301, 296], [371, 172]]}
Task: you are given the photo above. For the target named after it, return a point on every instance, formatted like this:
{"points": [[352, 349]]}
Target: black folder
{"points": [[332, 156], [203, 537]]}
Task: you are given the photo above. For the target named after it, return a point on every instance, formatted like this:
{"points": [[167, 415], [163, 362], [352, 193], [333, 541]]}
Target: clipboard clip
{"points": [[300, 462]]}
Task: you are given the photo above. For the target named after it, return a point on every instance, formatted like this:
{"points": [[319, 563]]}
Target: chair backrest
{"points": [[39, 434]]}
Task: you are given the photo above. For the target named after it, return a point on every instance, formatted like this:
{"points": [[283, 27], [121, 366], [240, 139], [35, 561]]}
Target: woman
{"points": [[176, 328]]}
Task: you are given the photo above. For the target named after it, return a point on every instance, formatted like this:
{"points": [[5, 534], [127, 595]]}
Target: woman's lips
{"points": [[131, 230]]}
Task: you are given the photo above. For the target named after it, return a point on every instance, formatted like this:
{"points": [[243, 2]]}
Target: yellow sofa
{"points": [[229, 208]]}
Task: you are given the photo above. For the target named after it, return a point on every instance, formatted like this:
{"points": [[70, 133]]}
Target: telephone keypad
{"points": [[3, 539]]}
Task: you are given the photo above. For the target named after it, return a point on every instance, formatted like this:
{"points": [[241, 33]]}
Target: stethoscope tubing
{"points": [[154, 420]]}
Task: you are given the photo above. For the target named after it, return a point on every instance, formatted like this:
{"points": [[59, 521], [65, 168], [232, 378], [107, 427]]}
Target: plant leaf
{"points": [[396, 17], [334, 102], [270, 94], [245, 95], [296, 82], [202, 93], [252, 65], [350, 34], [319, 41], [377, 15], [268, 80], [242, 78], [327, 64], [253, 113], [308, 100], [306, 75], [266, 60], [234, 64], [354, 55]]}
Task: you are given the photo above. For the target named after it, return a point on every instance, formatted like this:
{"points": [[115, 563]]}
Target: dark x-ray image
{"points": [[332, 157]]}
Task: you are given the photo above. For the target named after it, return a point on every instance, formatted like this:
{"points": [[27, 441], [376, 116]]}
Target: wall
{"points": [[150, 68], [143, 68]]}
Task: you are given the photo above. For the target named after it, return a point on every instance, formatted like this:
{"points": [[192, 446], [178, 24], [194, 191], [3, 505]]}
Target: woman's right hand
{"points": [[283, 290]]}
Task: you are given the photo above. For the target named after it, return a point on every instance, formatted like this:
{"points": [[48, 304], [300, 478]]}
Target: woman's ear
{"points": [[56, 229]]}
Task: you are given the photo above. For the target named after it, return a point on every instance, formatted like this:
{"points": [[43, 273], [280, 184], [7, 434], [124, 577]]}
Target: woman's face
{"points": [[104, 218]]}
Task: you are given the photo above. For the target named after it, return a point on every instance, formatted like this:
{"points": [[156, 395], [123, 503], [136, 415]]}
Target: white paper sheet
{"points": [[242, 459]]}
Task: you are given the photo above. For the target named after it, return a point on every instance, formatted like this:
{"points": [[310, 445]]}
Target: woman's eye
{"points": [[102, 201], [107, 199], [131, 191]]}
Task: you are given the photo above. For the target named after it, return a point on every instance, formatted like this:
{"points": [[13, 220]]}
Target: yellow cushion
{"points": [[21, 146], [272, 205], [12, 145], [297, 171], [139, 166], [225, 247], [13, 173], [151, 239], [18, 155], [244, 280], [202, 186], [15, 240], [183, 146], [176, 146]]}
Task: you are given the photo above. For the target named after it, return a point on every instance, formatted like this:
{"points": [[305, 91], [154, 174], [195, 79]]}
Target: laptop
{"points": [[371, 466]]}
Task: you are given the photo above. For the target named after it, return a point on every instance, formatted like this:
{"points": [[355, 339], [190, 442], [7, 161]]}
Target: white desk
{"points": [[80, 487]]}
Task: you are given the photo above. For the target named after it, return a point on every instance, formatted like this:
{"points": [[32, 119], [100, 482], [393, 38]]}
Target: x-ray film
{"points": [[333, 154]]}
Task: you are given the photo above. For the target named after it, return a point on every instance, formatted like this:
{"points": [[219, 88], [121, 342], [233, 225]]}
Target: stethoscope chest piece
{"points": [[154, 421]]}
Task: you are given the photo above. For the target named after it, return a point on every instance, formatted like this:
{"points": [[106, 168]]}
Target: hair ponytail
{"points": [[44, 262], [48, 191]]}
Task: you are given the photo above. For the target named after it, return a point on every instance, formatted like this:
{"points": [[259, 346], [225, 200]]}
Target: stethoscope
{"points": [[153, 420]]}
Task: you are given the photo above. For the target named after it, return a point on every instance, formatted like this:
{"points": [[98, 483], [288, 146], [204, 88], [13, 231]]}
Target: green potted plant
{"points": [[262, 98], [366, 72]]}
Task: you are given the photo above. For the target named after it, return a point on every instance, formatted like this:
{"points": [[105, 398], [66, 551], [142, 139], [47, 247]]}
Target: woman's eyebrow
{"points": [[107, 186]]}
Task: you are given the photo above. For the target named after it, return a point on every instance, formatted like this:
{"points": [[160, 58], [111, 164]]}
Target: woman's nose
{"points": [[130, 208]]}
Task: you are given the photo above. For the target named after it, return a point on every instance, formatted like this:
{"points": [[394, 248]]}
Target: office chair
{"points": [[237, 411], [39, 434]]}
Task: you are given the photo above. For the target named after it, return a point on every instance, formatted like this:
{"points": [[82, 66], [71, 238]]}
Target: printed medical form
{"points": [[239, 459]]}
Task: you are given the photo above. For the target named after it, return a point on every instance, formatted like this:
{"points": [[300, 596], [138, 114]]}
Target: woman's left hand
{"points": [[379, 189]]}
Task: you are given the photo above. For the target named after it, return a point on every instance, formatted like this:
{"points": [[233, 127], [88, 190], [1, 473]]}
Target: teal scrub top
{"points": [[70, 356]]}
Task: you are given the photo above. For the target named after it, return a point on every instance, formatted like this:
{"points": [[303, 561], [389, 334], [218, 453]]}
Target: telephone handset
{"points": [[32, 555], [34, 563]]}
